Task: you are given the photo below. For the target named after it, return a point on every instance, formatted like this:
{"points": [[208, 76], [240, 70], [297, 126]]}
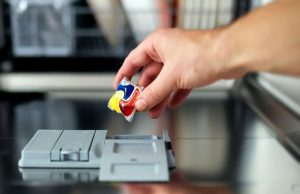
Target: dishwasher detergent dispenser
{"points": [[122, 158]]}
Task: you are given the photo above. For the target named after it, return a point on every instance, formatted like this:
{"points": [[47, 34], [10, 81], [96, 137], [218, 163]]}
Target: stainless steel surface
{"points": [[221, 146], [284, 88], [259, 3], [283, 120]]}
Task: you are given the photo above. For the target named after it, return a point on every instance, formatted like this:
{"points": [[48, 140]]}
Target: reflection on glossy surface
{"points": [[178, 185], [220, 146], [59, 175]]}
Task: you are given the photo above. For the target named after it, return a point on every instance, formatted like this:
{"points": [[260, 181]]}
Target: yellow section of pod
{"points": [[114, 101]]}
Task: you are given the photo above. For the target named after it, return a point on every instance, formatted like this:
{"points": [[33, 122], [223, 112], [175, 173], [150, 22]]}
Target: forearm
{"points": [[268, 39]]}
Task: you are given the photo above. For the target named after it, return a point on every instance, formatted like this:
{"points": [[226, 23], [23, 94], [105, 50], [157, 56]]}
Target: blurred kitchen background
{"points": [[96, 35], [80, 44], [58, 59]]}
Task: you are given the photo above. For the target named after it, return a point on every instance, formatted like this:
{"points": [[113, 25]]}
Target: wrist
{"points": [[228, 59]]}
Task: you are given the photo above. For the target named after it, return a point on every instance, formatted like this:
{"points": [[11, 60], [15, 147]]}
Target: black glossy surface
{"points": [[220, 145]]}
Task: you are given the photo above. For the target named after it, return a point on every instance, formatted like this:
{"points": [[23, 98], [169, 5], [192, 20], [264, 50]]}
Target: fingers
{"points": [[179, 97], [159, 108], [149, 73], [139, 57], [158, 90], [157, 78], [134, 61]]}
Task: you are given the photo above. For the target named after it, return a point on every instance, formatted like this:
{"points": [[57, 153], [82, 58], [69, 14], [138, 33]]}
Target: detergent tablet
{"points": [[123, 100]]}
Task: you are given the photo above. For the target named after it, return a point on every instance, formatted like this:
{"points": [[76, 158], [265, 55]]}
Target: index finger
{"points": [[136, 59]]}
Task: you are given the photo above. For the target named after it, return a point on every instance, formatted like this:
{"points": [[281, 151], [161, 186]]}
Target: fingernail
{"points": [[141, 105]]}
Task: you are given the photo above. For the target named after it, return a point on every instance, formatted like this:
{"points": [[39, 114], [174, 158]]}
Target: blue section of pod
{"points": [[127, 89]]}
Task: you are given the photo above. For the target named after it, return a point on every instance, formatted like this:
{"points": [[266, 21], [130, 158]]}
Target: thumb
{"points": [[155, 92]]}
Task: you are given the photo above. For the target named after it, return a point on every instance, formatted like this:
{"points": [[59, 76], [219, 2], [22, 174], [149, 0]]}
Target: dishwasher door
{"points": [[220, 145]]}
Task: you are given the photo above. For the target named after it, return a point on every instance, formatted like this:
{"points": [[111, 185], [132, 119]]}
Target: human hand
{"points": [[173, 62]]}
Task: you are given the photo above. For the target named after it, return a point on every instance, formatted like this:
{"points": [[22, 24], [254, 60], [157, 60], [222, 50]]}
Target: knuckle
{"points": [[132, 52], [162, 32], [184, 82], [152, 96], [181, 83]]}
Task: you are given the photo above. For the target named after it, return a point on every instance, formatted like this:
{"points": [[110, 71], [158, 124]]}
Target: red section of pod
{"points": [[127, 107]]}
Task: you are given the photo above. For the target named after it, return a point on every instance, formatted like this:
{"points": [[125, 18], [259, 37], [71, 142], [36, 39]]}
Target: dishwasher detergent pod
{"points": [[123, 100]]}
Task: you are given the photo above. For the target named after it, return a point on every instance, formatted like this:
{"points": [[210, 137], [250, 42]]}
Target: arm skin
{"points": [[174, 61], [267, 39]]}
